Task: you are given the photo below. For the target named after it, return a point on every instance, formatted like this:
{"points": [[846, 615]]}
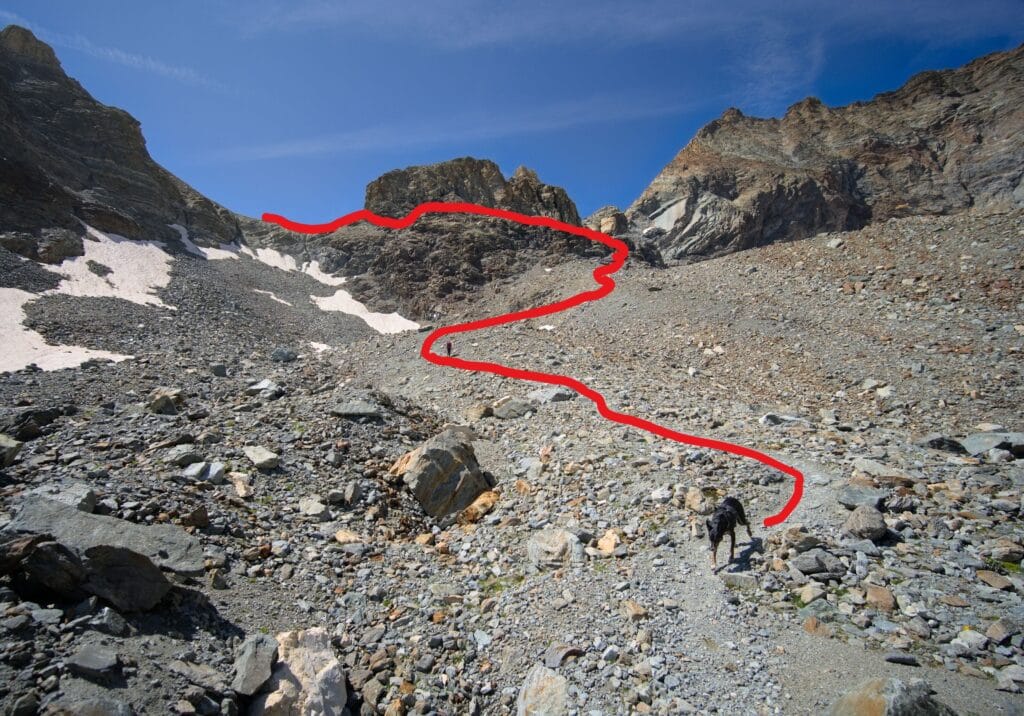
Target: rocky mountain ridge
{"points": [[944, 142]]}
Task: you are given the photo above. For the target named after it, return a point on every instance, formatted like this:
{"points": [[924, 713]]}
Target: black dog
{"points": [[727, 515]]}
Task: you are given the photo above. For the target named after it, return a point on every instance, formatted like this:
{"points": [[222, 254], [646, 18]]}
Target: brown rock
{"points": [[879, 597], [994, 579]]}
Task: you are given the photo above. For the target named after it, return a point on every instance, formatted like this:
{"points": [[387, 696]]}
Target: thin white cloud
{"points": [[463, 24], [469, 127], [144, 63]]}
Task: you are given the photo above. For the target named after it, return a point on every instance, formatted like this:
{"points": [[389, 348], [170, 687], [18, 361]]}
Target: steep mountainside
{"points": [[68, 159], [943, 142]]}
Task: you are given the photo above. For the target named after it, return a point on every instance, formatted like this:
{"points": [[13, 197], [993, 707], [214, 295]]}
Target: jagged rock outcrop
{"points": [[68, 158], [477, 181], [944, 142]]}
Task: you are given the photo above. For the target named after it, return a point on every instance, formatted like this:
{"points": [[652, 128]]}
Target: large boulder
{"points": [[169, 547], [890, 697], [9, 449], [442, 474], [307, 680]]}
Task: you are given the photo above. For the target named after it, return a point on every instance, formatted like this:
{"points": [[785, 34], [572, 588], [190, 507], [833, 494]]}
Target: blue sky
{"points": [[293, 106]]}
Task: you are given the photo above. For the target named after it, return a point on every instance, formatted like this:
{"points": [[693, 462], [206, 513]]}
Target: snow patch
{"points": [[136, 270], [23, 346], [226, 251], [271, 295], [341, 300], [381, 322]]}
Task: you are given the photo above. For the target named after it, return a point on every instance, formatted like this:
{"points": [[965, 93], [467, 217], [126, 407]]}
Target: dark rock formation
{"points": [[944, 142], [477, 181], [69, 159]]}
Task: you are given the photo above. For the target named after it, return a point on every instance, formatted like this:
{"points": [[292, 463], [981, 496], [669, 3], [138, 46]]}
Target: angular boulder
{"points": [[308, 678], [442, 474], [9, 449], [128, 580]]}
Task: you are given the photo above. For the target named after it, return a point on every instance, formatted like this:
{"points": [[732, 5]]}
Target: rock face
{"points": [[944, 142], [890, 697], [477, 181], [69, 158], [442, 474]]}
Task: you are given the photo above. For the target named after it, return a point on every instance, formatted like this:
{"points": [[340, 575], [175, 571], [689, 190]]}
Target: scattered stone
{"points": [[880, 598], [92, 661], [283, 354], [900, 657], [551, 394], [558, 653], [554, 548], [261, 458], [313, 507], [358, 409], [511, 409], [866, 522], [994, 579], [9, 449], [165, 401], [543, 692]]}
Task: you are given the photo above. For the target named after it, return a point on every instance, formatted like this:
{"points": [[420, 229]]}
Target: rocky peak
{"points": [[477, 181], [19, 41]]}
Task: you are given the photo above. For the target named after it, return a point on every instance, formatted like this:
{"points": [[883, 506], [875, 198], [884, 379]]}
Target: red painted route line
{"points": [[602, 275]]}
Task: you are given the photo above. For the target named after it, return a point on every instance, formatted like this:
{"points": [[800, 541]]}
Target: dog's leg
{"points": [[714, 556], [732, 546], [749, 533]]}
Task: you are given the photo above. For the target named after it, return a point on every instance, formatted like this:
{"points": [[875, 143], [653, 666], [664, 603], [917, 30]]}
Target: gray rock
{"points": [[93, 661], [817, 561], [215, 475], [355, 409], [164, 401], [313, 507], [283, 354], [262, 458], [9, 448], [543, 692], [219, 370], [890, 697], [195, 471], [68, 705], [53, 569], [443, 474], [182, 455], [551, 394], [167, 546], [128, 580], [853, 496], [513, 409], [265, 388], [981, 443], [867, 523], [254, 664]]}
